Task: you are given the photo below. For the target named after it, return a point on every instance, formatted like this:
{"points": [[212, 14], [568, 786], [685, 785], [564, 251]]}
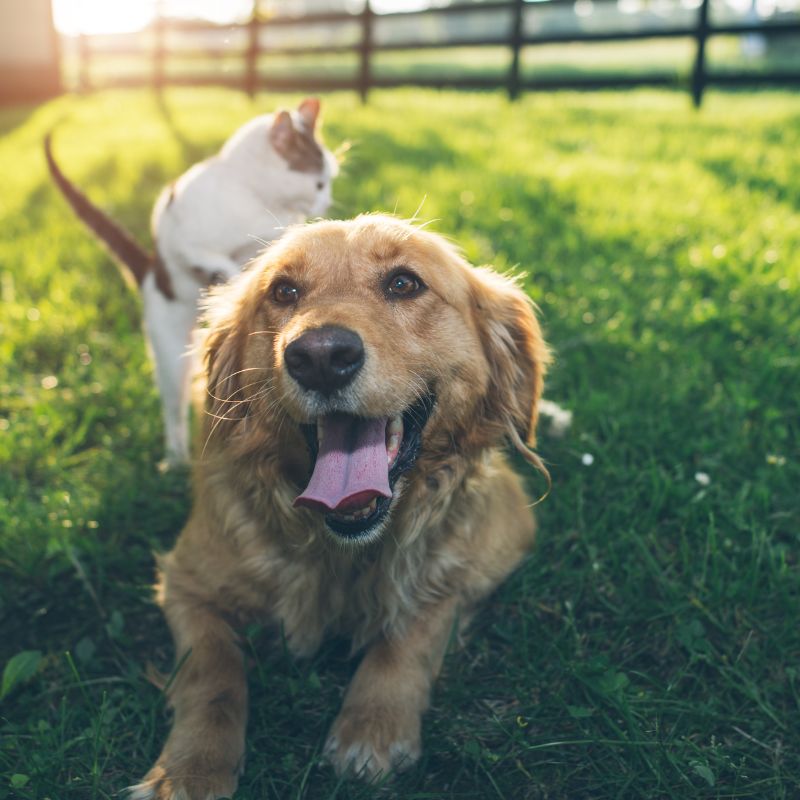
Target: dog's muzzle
{"points": [[325, 359]]}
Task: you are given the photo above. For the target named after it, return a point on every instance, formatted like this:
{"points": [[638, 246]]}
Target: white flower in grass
{"points": [[587, 459], [703, 478], [776, 460]]}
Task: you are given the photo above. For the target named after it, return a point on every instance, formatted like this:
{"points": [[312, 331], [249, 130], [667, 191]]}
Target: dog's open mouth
{"points": [[356, 463]]}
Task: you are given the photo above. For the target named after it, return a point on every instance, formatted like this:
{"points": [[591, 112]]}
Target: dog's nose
{"points": [[325, 359]]}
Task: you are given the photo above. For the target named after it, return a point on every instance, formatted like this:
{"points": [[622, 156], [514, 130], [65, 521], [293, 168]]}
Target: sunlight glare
{"points": [[102, 16], [72, 17]]}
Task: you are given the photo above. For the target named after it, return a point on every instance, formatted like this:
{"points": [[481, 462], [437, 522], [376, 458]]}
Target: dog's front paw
{"points": [[192, 778], [372, 741]]}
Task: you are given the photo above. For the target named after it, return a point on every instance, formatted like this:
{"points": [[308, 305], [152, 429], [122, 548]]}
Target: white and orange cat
{"points": [[207, 225]]}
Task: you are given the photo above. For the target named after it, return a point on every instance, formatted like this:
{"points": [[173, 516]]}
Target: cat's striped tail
{"points": [[119, 242]]}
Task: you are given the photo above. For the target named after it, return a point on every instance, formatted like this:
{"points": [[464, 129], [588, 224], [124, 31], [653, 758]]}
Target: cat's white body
{"points": [[220, 213], [210, 223]]}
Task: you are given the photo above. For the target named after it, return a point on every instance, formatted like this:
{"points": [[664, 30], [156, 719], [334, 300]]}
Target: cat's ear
{"points": [[281, 134], [309, 111]]}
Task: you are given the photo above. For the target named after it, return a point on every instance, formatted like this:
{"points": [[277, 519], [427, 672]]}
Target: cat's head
{"points": [[311, 167]]}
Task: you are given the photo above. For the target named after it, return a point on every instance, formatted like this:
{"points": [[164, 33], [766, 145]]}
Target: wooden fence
{"points": [[514, 81]]}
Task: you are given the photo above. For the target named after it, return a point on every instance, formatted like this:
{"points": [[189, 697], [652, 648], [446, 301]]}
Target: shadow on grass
{"points": [[191, 152], [426, 151], [12, 118], [732, 173]]}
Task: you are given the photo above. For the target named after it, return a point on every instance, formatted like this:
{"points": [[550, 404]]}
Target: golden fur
{"points": [[459, 521]]}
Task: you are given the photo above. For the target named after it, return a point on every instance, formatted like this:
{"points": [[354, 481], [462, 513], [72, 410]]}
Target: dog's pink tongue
{"points": [[351, 466]]}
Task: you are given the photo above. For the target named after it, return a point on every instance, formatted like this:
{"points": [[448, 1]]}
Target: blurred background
{"points": [[315, 45]]}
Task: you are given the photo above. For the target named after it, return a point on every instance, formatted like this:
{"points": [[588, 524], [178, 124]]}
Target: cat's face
{"points": [[311, 167], [323, 187]]}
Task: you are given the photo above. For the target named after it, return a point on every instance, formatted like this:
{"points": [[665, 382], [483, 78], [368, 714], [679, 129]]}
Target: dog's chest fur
{"points": [[295, 576]]}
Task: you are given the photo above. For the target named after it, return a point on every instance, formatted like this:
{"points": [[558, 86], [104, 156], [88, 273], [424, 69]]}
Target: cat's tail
{"points": [[119, 242]]}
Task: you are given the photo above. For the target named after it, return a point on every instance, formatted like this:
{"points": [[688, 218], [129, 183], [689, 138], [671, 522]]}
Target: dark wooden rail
{"points": [[365, 79]]}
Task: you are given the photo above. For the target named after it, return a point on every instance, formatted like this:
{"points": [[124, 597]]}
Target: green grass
{"points": [[649, 648]]}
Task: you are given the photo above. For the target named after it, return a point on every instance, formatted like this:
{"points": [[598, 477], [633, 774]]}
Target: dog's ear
{"points": [[517, 357], [227, 314], [223, 359]]}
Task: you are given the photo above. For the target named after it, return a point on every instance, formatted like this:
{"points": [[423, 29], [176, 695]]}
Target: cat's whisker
{"points": [[341, 151]]}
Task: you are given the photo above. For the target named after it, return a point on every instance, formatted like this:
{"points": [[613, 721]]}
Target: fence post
{"points": [[516, 45], [699, 71], [364, 75], [251, 54], [158, 47], [84, 55]]}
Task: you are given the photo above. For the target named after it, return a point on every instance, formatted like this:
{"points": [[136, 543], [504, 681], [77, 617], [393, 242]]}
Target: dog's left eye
{"points": [[285, 293], [404, 284]]}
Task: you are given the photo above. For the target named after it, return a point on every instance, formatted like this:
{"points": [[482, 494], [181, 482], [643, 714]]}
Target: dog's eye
{"points": [[285, 293], [403, 284]]}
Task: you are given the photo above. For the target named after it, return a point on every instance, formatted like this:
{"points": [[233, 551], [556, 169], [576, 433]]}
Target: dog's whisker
{"points": [[223, 417], [238, 389], [269, 380], [231, 376], [422, 225], [218, 419], [419, 208], [264, 242], [234, 404]]}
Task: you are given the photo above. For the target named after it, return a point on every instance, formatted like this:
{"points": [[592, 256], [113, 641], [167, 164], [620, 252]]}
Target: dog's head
{"points": [[377, 345]]}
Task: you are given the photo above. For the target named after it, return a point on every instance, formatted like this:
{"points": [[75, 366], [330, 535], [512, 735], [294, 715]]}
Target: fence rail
{"points": [[365, 79]]}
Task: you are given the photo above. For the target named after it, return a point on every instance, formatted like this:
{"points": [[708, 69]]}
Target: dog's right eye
{"points": [[403, 284], [285, 293]]}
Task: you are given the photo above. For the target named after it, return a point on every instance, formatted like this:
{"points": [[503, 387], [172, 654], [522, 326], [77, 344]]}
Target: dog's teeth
{"points": [[320, 429], [360, 513], [395, 436]]}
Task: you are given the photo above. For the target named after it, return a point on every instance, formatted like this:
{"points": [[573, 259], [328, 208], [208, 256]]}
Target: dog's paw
{"points": [[369, 742], [192, 779]]}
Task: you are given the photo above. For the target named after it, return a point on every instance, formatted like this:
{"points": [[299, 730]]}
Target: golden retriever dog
{"points": [[362, 381]]}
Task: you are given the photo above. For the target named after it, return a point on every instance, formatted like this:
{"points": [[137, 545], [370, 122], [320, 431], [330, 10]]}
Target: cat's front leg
{"points": [[169, 325], [378, 728], [207, 267]]}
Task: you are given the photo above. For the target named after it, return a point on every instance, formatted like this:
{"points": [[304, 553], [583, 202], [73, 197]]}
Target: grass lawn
{"points": [[650, 647]]}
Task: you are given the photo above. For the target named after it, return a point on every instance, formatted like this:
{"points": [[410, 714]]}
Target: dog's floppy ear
{"points": [[227, 313], [517, 357]]}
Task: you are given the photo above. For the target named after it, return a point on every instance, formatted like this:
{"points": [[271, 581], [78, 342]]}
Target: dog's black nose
{"points": [[325, 359]]}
